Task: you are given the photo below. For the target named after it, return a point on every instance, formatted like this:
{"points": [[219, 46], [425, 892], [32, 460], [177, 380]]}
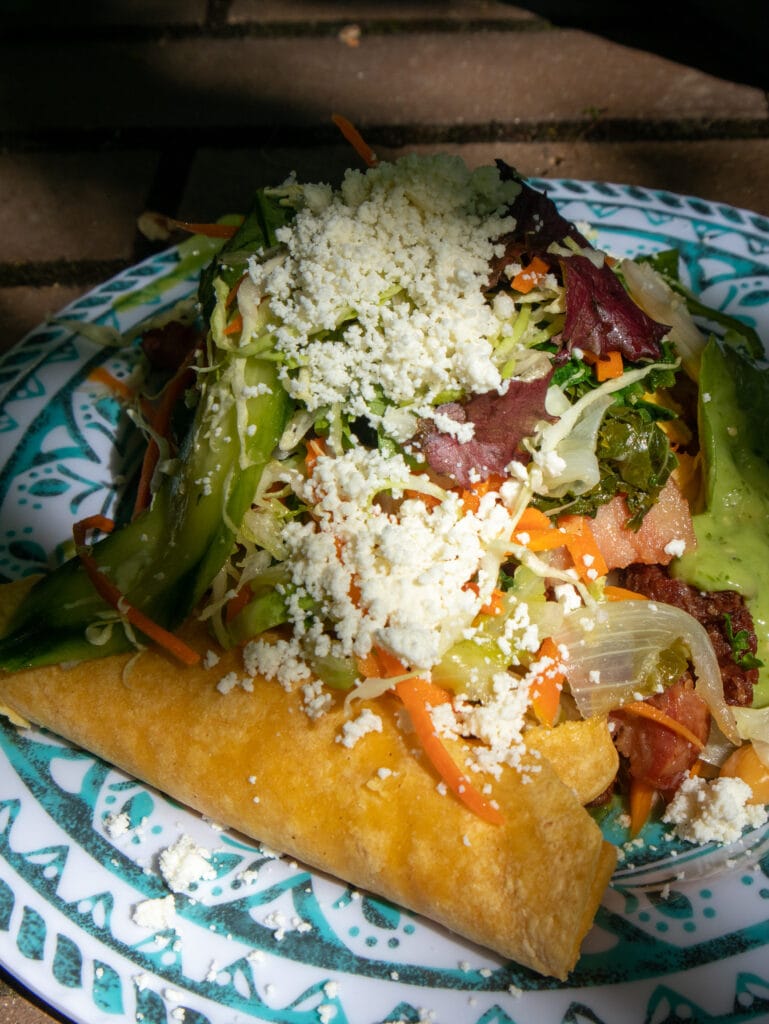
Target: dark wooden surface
{"points": [[109, 109]]}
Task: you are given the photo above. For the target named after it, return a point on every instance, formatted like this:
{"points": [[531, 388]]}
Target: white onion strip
{"points": [[610, 650]]}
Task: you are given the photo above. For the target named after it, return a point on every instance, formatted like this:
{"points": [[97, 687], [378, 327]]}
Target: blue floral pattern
{"points": [[266, 939]]}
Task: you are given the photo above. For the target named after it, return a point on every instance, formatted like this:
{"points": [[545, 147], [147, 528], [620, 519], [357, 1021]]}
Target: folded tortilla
{"points": [[528, 888]]}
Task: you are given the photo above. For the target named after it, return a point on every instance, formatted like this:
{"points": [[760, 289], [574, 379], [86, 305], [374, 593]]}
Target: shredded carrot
{"points": [[582, 546], [607, 366], [529, 277], [495, 604], [572, 532], [235, 326], [612, 593], [368, 665], [548, 684], [356, 140], [540, 540], [418, 696], [644, 710], [160, 420], [96, 522], [428, 500], [232, 293], [471, 497], [107, 590], [117, 386], [640, 801], [237, 603], [316, 447], [533, 519], [389, 664]]}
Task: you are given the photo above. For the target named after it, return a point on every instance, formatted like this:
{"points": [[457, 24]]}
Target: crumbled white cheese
{"points": [[675, 547], [715, 811], [356, 728], [117, 825], [184, 863], [566, 594], [156, 914], [396, 579], [210, 659], [228, 682], [412, 242], [498, 723], [279, 659], [315, 700]]}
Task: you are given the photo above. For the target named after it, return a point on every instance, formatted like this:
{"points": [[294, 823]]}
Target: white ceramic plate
{"points": [[267, 940]]}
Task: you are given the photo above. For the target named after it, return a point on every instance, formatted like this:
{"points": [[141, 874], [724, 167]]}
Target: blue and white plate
{"points": [[265, 939]]}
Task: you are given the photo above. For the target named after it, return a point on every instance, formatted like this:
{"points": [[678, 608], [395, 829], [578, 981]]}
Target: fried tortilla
{"points": [[528, 888]]}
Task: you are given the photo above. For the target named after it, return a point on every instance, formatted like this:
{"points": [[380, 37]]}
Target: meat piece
{"points": [[169, 346], [668, 521], [709, 608], [656, 754]]}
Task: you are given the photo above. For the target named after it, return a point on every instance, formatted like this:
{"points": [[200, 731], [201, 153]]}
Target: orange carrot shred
{"points": [[641, 797], [115, 385], [389, 664], [471, 497], [160, 419], [232, 293], [235, 325], [418, 695], [581, 545], [547, 686], [316, 447], [572, 532], [428, 500], [368, 666], [237, 603], [533, 519], [529, 277], [356, 140], [540, 540], [644, 710], [613, 593], [495, 604], [109, 593], [607, 366]]}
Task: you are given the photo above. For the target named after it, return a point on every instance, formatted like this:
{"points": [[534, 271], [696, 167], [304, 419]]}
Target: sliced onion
{"points": [[656, 298], [375, 686], [613, 648], [752, 723]]}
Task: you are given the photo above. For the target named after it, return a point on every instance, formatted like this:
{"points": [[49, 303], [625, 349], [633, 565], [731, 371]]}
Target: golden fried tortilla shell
{"points": [[582, 753], [528, 888]]}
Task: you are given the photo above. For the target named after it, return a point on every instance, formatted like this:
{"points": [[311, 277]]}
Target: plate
{"points": [[266, 939]]}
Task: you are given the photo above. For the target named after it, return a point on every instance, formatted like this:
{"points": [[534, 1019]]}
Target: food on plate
{"points": [[427, 544]]}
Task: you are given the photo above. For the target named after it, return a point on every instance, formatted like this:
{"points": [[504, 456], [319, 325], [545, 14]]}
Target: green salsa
{"points": [[732, 532]]}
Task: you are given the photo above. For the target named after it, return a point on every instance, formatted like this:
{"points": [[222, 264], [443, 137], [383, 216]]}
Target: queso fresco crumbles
{"points": [[446, 452]]}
